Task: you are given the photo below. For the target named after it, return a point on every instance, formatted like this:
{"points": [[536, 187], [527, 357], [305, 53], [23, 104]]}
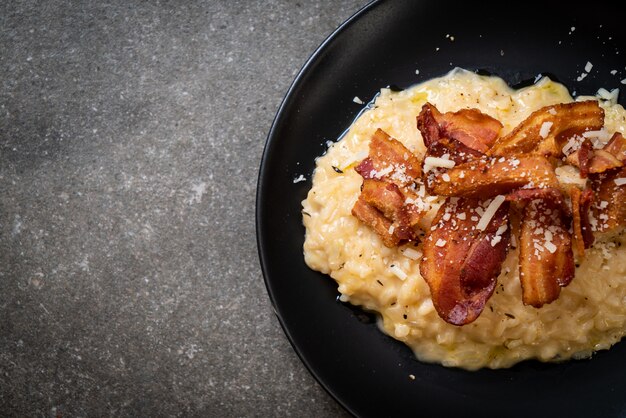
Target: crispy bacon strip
{"points": [[585, 155], [586, 201], [562, 121], [617, 146], [428, 124], [611, 156], [373, 218], [461, 263], [464, 135], [387, 198], [389, 159], [546, 258], [489, 177], [581, 204], [609, 210], [389, 174], [551, 194]]}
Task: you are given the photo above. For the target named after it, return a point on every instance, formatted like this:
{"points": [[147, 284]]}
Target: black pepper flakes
{"points": [[337, 170]]}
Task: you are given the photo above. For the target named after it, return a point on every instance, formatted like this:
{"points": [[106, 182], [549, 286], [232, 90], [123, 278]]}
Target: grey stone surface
{"points": [[130, 139]]}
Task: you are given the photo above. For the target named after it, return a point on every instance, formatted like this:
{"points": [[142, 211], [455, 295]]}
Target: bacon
{"points": [[609, 210], [586, 201], [546, 258], [489, 177], [581, 204], [389, 174], [461, 263], [390, 160], [617, 146], [585, 154], [428, 125], [611, 156], [464, 135], [602, 161], [550, 193], [388, 199], [373, 218], [564, 121]]}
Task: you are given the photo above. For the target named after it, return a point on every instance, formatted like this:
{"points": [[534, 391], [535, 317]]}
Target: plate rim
{"points": [[262, 254]]}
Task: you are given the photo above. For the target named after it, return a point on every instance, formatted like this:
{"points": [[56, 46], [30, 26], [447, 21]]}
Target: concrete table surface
{"points": [[131, 134]]}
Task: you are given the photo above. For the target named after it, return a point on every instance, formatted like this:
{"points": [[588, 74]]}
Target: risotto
{"points": [[589, 314]]}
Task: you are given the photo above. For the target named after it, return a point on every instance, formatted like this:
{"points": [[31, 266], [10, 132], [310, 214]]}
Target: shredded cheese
{"points": [[545, 129], [432, 162], [490, 212], [398, 272], [411, 253], [572, 144], [610, 96], [601, 134], [550, 247]]}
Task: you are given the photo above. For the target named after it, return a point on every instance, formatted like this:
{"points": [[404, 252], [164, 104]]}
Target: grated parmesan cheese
{"points": [[411, 253], [572, 144], [545, 129], [398, 272], [490, 212], [601, 134], [620, 181], [357, 100], [440, 242], [610, 96], [550, 247], [431, 162]]}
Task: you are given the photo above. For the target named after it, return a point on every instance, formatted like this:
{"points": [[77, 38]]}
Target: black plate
{"points": [[366, 371]]}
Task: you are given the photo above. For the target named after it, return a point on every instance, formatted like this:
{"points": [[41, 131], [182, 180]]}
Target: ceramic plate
{"points": [[383, 45]]}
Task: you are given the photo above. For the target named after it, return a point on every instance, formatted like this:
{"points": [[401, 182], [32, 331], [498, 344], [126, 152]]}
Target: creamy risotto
{"points": [[590, 313]]}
